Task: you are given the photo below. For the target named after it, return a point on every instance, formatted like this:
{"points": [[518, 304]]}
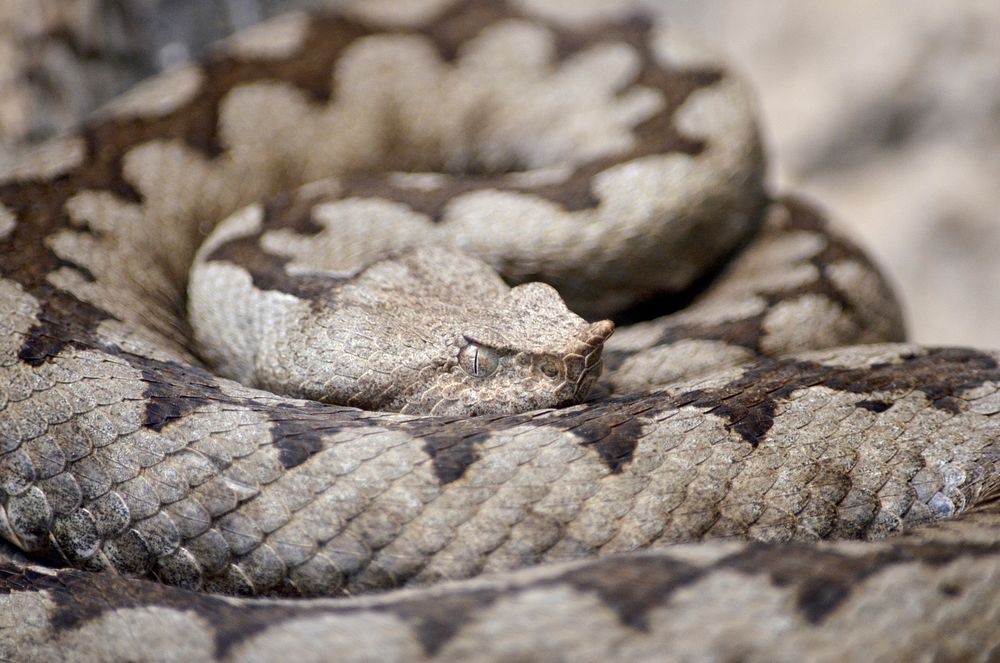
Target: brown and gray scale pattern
{"points": [[124, 460]]}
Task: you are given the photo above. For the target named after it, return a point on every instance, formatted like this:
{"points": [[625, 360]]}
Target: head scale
{"points": [[434, 331]]}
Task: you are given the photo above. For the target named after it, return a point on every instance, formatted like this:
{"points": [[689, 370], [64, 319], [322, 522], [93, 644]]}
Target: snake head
{"points": [[525, 352], [426, 330]]}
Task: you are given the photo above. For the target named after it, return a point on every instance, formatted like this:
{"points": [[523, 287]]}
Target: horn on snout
{"points": [[597, 333]]}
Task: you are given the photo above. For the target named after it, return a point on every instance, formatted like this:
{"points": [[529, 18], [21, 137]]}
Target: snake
{"points": [[469, 330]]}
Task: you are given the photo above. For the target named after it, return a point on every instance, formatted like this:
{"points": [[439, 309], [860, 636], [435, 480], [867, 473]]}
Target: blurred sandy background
{"points": [[887, 113]]}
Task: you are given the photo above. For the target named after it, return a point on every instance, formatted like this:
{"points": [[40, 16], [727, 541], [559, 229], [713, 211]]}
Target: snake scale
{"points": [[763, 471]]}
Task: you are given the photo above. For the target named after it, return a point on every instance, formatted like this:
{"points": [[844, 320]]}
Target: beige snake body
{"points": [[598, 150]]}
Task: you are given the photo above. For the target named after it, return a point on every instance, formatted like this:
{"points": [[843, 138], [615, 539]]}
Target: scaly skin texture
{"points": [[424, 330], [930, 595], [123, 457]]}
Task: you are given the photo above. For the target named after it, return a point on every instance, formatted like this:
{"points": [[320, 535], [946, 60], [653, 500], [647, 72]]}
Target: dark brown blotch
{"points": [[656, 135], [614, 436], [63, 320], [298, 431], [875, 406], [749, 402], [174, 391], [267, 271]]}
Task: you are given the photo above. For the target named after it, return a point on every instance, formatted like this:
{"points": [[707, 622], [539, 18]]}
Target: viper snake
{"points": [[754, 466]]}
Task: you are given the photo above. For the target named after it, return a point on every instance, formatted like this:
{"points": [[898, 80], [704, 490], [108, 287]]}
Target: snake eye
{"points": [[549, 368], [477, 360]]}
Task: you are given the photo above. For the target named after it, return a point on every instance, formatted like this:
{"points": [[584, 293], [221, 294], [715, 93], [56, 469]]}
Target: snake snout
{"points": [[597, 333], [584, 361]]}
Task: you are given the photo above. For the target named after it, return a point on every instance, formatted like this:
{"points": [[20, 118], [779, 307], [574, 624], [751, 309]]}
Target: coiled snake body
{"points": [[596, 149]]}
